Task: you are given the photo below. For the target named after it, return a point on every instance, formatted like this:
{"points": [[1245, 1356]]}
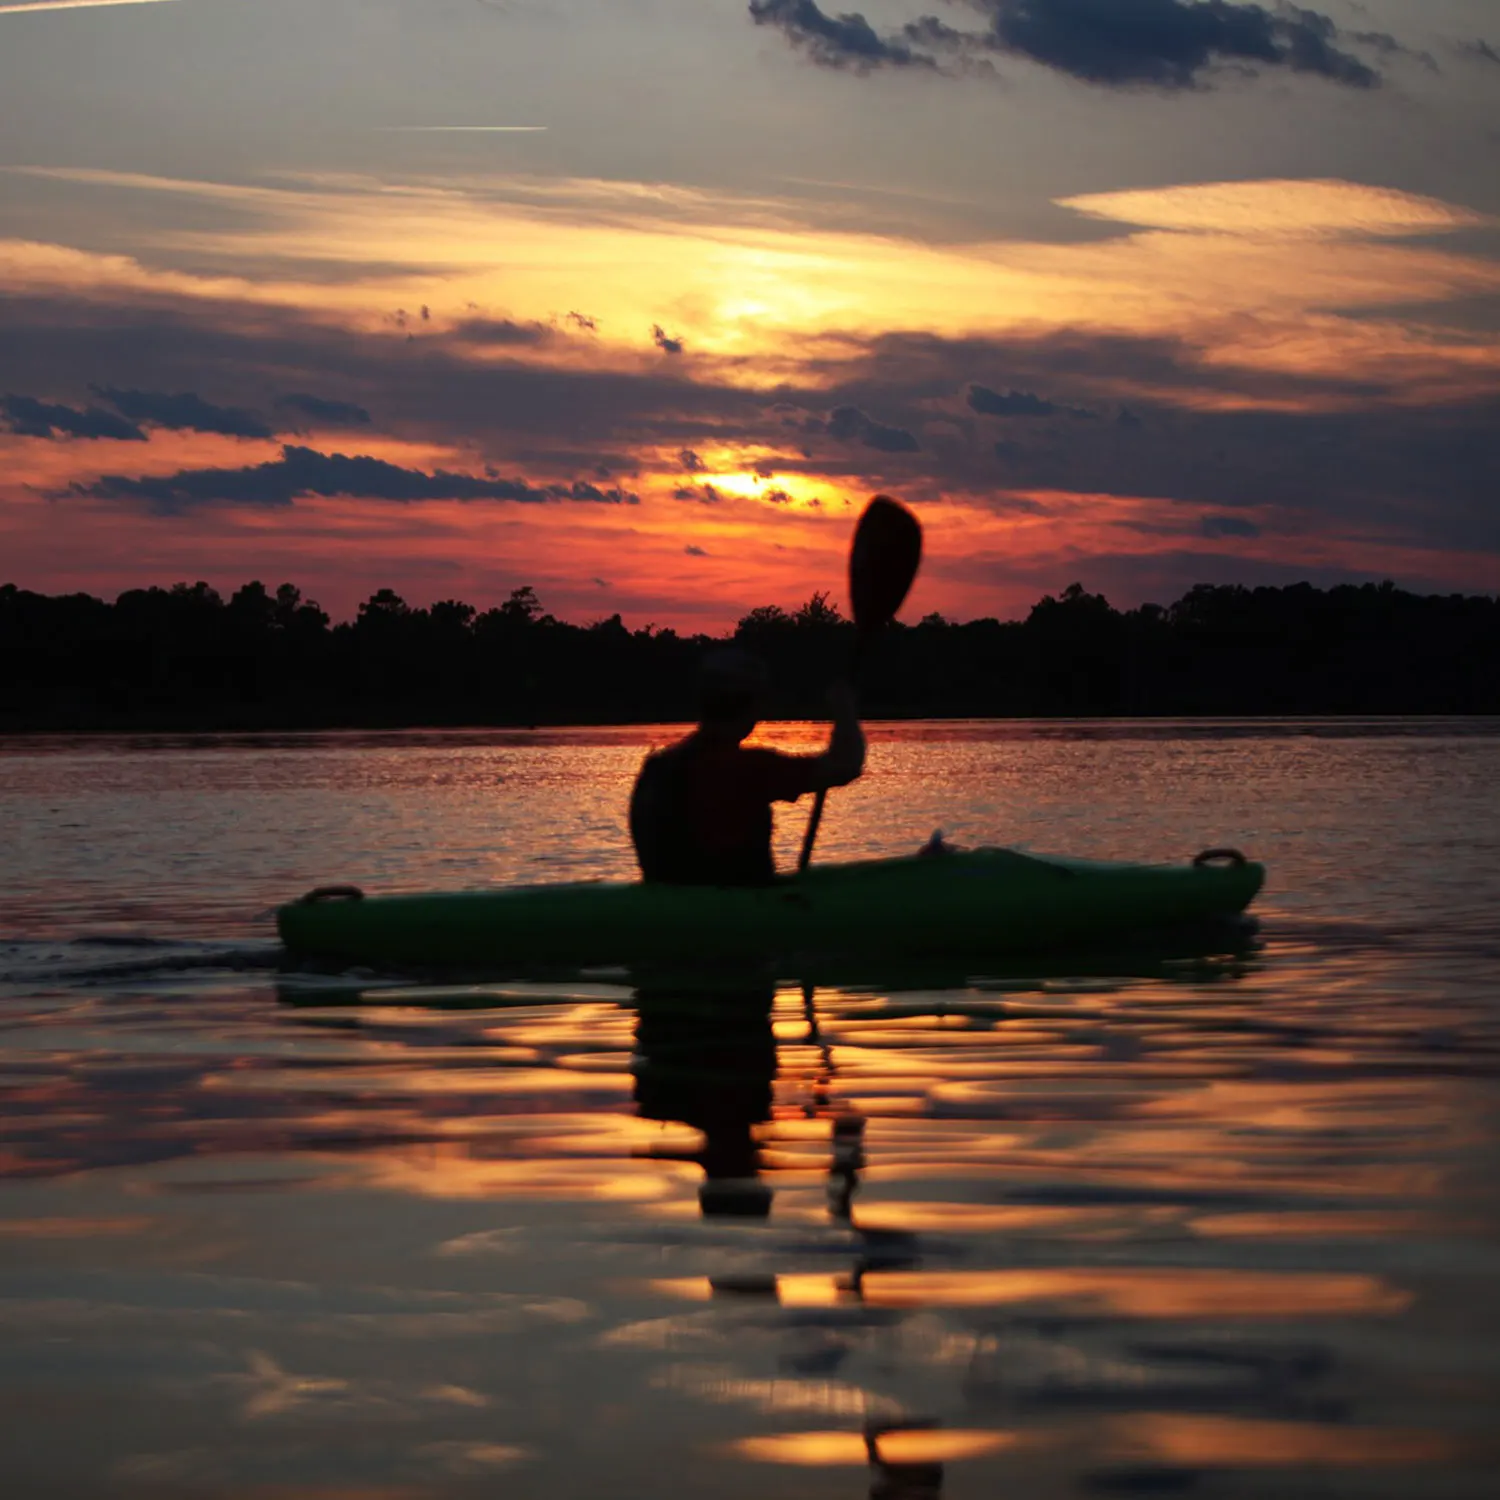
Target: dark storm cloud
{"points": [[324, 412], [990, 403], [303, 472], [664, 341], [1480, 50], [1387, 46], [539, 419], [1426, 473], [1429, 473], [1163, 44], [1170, 44], [1173, 44], [27, 417], [503, 333], [847, 41], [184, 412], [848, 424], [581, 489], [1082, 367]]}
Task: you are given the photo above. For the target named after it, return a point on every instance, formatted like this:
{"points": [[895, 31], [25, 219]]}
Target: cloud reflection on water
{"points": [[1139, 1224]]}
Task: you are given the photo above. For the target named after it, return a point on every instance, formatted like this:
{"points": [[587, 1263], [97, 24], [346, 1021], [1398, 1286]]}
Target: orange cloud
{"points": [[1238, 268], [502, 326]]}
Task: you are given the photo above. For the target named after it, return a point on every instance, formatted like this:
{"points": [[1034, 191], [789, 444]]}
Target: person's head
{"points": [[732, 690]]}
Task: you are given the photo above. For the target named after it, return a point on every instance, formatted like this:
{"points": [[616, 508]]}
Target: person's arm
{"points": [[787, 777], [844, 759]]}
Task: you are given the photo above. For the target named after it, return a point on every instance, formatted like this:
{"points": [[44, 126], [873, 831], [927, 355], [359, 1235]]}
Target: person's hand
{"points": [[842, 702]]}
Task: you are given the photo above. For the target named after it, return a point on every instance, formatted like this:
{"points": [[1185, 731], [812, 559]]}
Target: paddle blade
{"points": [[883, 561]]}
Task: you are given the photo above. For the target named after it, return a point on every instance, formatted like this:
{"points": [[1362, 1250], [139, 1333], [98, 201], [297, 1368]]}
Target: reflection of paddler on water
{"points": [[706, 1057]]}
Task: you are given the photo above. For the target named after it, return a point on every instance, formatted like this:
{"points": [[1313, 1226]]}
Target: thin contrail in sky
{"points": [[468, 129], [34, 5]]}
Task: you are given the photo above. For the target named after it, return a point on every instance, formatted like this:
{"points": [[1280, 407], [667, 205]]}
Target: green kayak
{"points": [[982, 901]]}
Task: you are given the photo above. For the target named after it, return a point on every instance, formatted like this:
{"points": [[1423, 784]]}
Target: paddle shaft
{"points": [[811, 836]]}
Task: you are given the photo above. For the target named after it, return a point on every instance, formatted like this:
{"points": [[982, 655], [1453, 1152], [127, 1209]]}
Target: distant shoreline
{"points": [[1118, 727], [185, 660]]}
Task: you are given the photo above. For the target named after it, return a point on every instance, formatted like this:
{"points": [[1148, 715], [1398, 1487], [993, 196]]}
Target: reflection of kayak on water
{"points": [[986, 900]]}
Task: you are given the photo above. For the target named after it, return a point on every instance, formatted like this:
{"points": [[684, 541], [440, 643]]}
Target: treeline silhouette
{"points": [[184, 658]]}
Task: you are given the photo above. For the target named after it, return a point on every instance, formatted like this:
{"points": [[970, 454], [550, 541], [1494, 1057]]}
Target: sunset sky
{"points": [[636, 301]]}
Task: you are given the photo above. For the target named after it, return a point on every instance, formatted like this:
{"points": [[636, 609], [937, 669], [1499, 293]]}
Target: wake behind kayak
{"points": [[985, 900]]}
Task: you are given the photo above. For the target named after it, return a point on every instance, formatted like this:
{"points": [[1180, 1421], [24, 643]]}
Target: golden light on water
{"points": [[454, 1171], [1186, 1439], [1315, 1224], [1098, 1269], [77, 1228], [1146, 1293], [1191, 1439], [1126, 1293], [905, 1446], [973, 1218], [494, 1080]]}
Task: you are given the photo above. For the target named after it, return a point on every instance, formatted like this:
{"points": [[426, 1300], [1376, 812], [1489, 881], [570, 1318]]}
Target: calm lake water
{"points": [[1224, 1226]]}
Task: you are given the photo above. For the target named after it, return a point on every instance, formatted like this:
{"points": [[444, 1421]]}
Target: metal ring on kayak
{"points": [[1214, 856], [332, 893]]}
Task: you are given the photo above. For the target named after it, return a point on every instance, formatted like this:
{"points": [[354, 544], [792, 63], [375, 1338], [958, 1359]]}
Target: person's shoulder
{"points": [[665, 760], [677, 748]]}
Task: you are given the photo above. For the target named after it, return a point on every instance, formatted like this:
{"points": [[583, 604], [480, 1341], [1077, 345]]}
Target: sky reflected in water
{"points": [[1216, 1222]]}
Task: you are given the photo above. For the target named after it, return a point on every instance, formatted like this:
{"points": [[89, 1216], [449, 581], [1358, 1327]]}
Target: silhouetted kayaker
{"points": [[700, 813]]}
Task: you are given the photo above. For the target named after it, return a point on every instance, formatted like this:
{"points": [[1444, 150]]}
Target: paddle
{"points": [[883, 561]]}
